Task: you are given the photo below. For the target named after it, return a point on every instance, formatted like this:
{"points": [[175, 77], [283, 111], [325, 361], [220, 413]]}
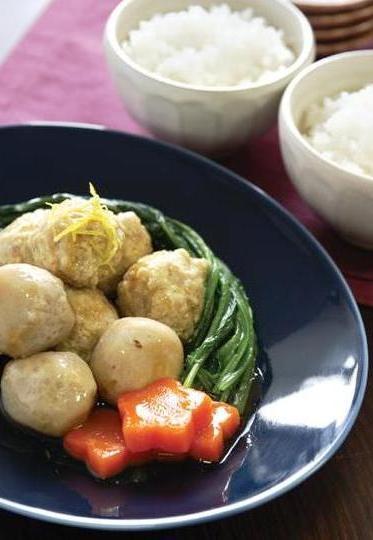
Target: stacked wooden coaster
{"points": [[339, 25]]}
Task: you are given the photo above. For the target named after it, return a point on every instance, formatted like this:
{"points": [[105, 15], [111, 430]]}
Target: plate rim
{"points": [[279, 489]]}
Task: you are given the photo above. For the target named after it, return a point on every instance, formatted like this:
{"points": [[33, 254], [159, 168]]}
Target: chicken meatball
{"points": [[168, 286], [34, 311], [78, 240], [136, 244], [50, 392], [93, 315], [14, 239], [132, 353]]}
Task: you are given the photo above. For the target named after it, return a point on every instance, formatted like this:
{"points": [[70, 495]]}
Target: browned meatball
{"points": [[168, 286], [34, 311], [136, 243], [134, 352], [80, 241], [50, 392], [93, 315]]}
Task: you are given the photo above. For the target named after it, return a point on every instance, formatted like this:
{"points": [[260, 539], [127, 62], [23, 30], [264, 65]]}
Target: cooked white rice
{"points": [[210, 47], [341, 129]]}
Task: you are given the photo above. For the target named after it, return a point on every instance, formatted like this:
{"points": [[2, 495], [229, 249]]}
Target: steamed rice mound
{"points": [[210, 47], [341, 127]]}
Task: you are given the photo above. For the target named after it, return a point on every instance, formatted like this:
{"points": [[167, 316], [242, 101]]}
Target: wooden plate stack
{"points": [[339, 25]]}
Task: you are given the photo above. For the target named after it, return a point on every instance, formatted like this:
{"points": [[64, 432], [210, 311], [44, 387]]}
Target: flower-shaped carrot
{"points": [[163, 417], [162, 422], [99, 443]]}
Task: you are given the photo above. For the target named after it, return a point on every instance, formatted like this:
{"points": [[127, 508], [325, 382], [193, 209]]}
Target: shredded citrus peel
{"points": [[90, 218]]}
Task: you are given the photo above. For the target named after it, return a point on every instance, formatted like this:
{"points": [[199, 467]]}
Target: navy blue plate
{"points": [[313, 343]]}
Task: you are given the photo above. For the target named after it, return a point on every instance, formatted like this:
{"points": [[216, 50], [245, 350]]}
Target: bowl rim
{"points": [[307, 51], [282, 487], [286, 116]]}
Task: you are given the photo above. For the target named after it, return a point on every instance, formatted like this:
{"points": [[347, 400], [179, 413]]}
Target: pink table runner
{"points": [[57, 73]]}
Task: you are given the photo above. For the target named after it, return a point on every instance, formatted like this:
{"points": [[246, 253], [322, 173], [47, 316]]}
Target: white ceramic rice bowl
{"points": [[341, 197], [210, 120]]}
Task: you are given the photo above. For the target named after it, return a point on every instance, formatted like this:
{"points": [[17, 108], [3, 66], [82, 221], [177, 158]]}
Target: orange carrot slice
{"points": [[163, 422], [163, 417], [208, 444], [227, 417], [99, 443]]}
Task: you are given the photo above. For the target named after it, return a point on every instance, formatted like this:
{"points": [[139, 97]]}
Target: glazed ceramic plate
{"points": [[313, 351]]}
